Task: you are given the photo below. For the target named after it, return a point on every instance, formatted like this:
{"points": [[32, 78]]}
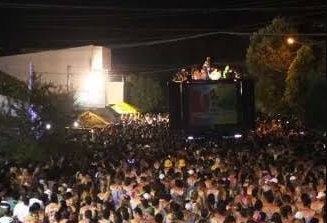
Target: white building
{"points": [[83, 69]]}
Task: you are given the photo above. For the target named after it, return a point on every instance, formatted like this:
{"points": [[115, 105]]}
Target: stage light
{"points": [[48, 126], [92, 83], [190, 137], [92, 90], [237, 136], [76, 124]]}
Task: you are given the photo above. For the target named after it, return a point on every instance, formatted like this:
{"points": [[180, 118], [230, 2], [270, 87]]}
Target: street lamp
{"points": [[290, 40]]}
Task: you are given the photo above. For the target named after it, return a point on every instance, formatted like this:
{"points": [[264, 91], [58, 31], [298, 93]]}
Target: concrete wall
{"points": [[75, 67]]}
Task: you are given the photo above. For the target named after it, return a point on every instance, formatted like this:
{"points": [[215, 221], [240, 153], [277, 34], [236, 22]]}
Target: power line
{"points": [[149, 43], [206, 10], [170, 40]]}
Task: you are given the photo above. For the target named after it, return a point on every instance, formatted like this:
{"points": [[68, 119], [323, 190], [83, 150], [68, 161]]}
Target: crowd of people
{"points": [[208, 71], [141, 172]]}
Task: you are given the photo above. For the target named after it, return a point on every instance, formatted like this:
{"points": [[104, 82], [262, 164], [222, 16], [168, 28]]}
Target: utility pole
{"points": [[68, 77]]}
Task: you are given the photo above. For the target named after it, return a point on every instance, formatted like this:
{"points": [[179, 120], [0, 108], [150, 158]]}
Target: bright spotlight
{"points": [[237, 136], [76, 124], [190, 137], [48, 126], [93, 83], [290, 40]]}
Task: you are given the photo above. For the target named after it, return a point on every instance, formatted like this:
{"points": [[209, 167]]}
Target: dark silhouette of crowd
{"points": [[138, 171]]}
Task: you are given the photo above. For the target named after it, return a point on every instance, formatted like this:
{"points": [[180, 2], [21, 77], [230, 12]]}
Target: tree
{"points": [[268, 59], [315, 103], [298, 76], [144, 93], [43, 104]]}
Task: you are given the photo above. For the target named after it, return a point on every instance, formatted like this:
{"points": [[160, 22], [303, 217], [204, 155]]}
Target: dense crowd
{"points": [[139, 171]]}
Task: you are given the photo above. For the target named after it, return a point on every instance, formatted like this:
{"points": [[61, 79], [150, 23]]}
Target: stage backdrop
{"points": [[211, 104]]}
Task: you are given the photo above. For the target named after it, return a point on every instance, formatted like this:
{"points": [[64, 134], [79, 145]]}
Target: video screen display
{"points": [[211, 104]]}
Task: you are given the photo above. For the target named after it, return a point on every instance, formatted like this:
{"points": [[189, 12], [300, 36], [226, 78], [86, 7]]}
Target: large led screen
{"points": [[211, 104]]}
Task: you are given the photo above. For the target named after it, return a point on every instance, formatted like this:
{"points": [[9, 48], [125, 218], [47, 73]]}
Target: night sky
{"points": [[36, 25]]}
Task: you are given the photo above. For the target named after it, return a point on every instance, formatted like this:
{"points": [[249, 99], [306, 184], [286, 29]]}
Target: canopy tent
{"points": [[124, 108], [90, 120]]}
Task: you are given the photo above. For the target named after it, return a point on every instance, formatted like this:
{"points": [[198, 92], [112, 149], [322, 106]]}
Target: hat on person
{"points": [[161, 176], [292, 178], [321, 194], [181, 163], [4, 205], [188, 206], [146, 196], [168, 163], [274, 180], [190, 172], [299, 215]]}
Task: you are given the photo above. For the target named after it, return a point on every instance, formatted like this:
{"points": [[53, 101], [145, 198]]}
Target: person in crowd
{"points": [[139, 171]]}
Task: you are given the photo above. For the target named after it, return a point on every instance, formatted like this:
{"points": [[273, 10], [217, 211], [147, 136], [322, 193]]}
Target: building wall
{"points": [[82, 69]]}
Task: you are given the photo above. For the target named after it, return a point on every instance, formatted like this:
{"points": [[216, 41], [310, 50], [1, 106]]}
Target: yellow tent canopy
{"points": [[124, 108], [90, 120]]}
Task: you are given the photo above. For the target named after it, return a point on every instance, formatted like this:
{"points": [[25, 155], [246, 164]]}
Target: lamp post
{"points": [[290, 40]]}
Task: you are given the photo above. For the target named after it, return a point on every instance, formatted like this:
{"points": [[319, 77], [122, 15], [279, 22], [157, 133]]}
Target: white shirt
{"points": [[21, 211]]}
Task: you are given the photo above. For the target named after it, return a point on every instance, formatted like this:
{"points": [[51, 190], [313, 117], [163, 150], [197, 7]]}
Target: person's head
{"points": [[106, 213], [65, 214], [158, 218], [88, 200], [305, 198], [124, 213], [314, 220], [211, 199], [276, 217], [262, 216], [269, 196], [25, 200], [35, 207], [296, 220], [258, 205], [221, 208], [138, 211], [57, 216], [229, 219], [286, 198], [54, 198], [88, 214], [285, 211], [204, 212]]}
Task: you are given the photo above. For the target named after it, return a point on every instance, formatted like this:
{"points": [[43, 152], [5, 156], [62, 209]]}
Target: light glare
{"points": [[48, 126], [237, 136], [76, 124], [290, 40]]}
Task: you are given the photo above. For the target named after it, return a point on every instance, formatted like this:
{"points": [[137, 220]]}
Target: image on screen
{"points": [[212, 104]]}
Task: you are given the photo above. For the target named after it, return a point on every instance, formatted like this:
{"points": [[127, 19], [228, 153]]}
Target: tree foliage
{"points": [[289, 78], [27, 115], [144, 93], [298, 76], [268, 59]]}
